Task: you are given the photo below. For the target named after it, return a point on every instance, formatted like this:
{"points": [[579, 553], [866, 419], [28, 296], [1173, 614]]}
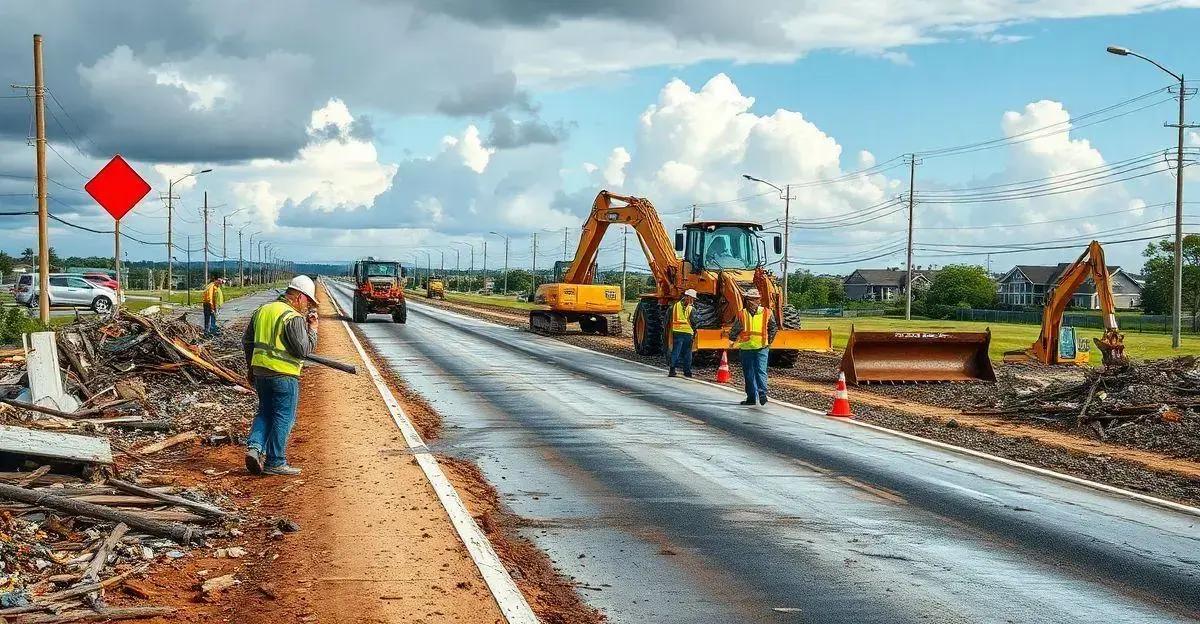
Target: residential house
{"points": [[884, 284], [1026, 285]]}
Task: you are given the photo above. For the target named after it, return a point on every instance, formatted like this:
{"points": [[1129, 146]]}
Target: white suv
{"points": [[68, 290]]}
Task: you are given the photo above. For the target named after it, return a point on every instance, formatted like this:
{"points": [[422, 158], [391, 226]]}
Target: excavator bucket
{"points": [[900, 357]]}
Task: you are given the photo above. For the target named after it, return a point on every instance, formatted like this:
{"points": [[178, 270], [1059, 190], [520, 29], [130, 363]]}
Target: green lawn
{"points": [[181, 298], [1005, 337]]}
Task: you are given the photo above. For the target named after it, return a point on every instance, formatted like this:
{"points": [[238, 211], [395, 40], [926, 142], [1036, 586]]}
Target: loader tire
{"points": [[400, 314], [613, 325], [648, 328], [786, 359], [359, 312], [705, 314]]}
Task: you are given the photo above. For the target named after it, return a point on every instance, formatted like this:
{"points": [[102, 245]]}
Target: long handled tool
{"points": [[345, 368]]}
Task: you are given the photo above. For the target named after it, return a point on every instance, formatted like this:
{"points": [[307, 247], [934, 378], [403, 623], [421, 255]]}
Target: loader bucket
{"points": [[899, 357]]}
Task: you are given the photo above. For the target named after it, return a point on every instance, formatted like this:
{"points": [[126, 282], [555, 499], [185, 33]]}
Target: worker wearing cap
{"points": [[752, 333], [279, 336], [683, 330], [213, 299]]}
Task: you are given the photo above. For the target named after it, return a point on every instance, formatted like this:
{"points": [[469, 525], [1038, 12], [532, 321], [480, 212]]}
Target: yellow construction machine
{"points": [[721, 260], [596, 307], [1058, 344], [435, 288]]}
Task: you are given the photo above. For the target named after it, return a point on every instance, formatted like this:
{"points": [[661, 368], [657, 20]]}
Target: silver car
{"points": [[68, 290]]}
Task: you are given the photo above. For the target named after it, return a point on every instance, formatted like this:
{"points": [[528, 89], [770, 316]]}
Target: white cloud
{"points": [[470, 148], [614, 168]]}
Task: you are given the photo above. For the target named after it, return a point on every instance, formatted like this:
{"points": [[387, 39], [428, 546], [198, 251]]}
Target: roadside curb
{"points": [[1103, 487], [504, 590]]}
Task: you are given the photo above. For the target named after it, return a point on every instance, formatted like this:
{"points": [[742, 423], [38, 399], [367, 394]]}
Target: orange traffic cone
{"points": [[723, 369], [841, 400]]}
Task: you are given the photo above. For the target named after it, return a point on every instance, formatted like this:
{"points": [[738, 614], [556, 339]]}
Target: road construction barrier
{"points": [[723, 370], [841, 400], [917, 356]]}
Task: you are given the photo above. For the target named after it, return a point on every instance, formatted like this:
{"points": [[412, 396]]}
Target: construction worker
{"points": [[279, 336], [213, 299], [682, 332], [752, 333]]}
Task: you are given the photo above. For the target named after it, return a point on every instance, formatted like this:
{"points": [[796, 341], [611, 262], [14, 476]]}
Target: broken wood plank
{"points": [[87, 615], [79, 448], [33, 476], [180, 501], [179, 438], [181, 533], [100, 559], [48, 599]]}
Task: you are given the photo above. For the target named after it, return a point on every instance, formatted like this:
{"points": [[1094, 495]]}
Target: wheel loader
{"points": [[721, 260], [379, 289], [435, 288]]}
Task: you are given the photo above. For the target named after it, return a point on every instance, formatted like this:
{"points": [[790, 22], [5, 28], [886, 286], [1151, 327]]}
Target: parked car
{"points": [[101, 279], [68, 290]]}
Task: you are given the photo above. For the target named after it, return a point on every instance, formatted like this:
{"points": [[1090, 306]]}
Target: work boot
{"points": [[762, 400], [254, 461], [747, 402], [285, 470], [671, 372]]}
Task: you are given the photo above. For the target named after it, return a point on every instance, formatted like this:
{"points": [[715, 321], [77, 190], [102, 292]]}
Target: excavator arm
{"points": [[1089, 264], [637, 212]]}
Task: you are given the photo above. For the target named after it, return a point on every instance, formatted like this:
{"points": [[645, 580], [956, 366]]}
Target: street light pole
{"points": [[786, 195], [224, 249], [505, 237], [170, 219], [1177, 298]]}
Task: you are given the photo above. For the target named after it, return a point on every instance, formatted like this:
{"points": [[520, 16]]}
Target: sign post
{"points": [[117, 188]]}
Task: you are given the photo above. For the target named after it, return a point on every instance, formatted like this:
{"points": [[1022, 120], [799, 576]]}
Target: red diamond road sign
{"points": [[117, 188]]}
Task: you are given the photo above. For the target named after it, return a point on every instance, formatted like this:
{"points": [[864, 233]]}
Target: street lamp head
{"points": [[1118, 50], [204, 171], [751, 178]]}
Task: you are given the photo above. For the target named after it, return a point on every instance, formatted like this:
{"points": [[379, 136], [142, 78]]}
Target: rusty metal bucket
{"points": [[900, 357]]}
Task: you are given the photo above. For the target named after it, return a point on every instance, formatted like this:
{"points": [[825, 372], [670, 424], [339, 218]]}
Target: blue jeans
{"points": [[210, 320], [681, 351], [754, 371], [277, 398]]}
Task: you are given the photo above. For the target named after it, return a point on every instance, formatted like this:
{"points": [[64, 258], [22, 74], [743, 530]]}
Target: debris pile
{"points": [[84, 504], [1111, 399]]}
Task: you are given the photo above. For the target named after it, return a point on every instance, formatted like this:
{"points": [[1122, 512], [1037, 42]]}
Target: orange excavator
{"points": [[720, 260], [1057, 344]]}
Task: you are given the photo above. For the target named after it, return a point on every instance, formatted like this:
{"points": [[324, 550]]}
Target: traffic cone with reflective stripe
{"points": [[723, 369], [841, 399]]}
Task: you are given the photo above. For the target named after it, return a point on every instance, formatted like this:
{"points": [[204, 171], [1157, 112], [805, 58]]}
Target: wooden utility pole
{"points": [[170, 241], [624, 259], [240, 278], [205, 237], [39, 112], [187, 271], [534, 262], [912, 178]]}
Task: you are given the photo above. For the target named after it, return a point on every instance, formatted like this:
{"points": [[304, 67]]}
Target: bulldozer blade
{"points": [[898, 357]]}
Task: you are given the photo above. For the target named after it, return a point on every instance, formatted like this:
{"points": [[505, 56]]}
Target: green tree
{"points": [[1159, 272], [960, 285], [806, 291], [6, 263], [28, 255], [519, 281]]}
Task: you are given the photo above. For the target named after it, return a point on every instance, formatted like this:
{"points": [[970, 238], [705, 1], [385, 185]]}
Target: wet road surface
{"points": [[667, 502]]}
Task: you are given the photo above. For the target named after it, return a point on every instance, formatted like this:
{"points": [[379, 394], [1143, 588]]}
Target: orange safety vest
{"points": [[754, 329], [212, 296], [679, 318]]}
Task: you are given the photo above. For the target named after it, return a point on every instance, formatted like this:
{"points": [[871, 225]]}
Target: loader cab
{"points": [[724, 245]]}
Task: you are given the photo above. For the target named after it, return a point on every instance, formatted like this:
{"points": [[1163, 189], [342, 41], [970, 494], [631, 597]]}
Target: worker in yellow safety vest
{"points": [[280, 335], [752, 333], [682, 333], [212, 301]]}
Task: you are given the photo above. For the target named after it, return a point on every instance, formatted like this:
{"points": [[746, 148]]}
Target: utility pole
{"points": [[170, 241], [624, 259], [205, 237], [912, 179], [506, 265], [693, 213], [117, 259], [39, 111], [481, 283], [240, 258], [187, 271], [565, 239], [535, 262], [787, 212]]}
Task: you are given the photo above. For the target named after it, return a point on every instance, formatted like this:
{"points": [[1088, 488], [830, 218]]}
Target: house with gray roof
{"points": [[884, 284], [1025, 286]]}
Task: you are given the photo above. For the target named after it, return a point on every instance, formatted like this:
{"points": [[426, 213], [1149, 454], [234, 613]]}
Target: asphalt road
{"points": [[667, 502]]}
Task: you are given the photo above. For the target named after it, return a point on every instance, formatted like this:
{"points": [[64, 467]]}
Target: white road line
{"points": [[1104, 487], [504, 590]]}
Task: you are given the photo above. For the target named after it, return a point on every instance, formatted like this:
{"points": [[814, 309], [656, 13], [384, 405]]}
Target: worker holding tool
{"points": [[280, 335], [213, 299], [752, 333], [682, 332]]}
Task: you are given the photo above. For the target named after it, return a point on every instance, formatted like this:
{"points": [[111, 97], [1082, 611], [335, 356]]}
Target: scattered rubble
{"points": [[83, 505]]}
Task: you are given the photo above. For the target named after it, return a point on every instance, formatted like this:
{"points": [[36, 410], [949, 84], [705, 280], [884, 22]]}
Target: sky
{"points": [[423, 130]]}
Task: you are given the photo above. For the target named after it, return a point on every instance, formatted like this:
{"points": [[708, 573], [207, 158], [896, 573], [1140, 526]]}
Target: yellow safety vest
{"points": [[679, 318], [269, 350], [213, 297], [754, 330]]}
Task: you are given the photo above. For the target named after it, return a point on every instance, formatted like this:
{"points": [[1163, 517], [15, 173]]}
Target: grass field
{"points": [[181, 298], [1005, 337]]}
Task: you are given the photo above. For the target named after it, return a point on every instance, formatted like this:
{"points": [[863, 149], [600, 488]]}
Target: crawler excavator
{"points": [[721, 260], [1057, 344]]}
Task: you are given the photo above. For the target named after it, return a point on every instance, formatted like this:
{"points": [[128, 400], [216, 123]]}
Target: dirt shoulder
{"points": [[934, 411]]}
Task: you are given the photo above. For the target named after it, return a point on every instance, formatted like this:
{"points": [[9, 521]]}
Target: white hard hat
{"points": [[751, 294], [691, 292], [304, 284]]}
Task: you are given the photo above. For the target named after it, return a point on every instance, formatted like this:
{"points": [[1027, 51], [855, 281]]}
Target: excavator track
{"points": [[547, 323]]}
